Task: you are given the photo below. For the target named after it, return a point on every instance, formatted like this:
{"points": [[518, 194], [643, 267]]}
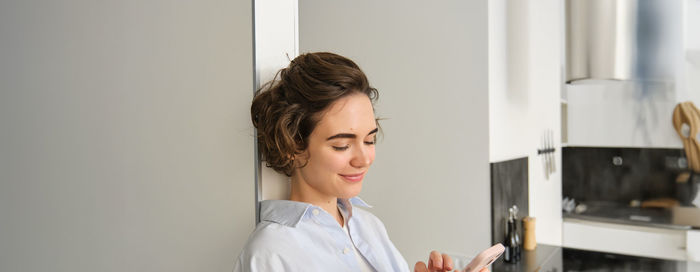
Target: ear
{"points": [[300, 159]]}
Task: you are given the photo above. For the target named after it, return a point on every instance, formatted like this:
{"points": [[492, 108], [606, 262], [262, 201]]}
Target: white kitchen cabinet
{"points": [[693, 245], [626, 239]]}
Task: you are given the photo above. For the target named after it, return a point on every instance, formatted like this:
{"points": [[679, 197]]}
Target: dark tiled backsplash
{"points": [[509, 186], [620, 174]]}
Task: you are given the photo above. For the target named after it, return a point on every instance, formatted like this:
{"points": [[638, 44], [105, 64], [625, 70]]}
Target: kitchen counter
{"points": [[680, 218], [546, 258], [543, 258]]}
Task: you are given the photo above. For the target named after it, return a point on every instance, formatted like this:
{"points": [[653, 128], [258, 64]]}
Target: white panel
{"points": [[430, 181], [125, 136], [693, 245], [525, 59], [276, 44], [691, 65], [275, 36], [625, 239], [546, 43], [692, 21]]}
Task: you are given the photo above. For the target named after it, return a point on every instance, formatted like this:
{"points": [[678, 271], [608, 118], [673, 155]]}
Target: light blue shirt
{"points": [[297, 236]]}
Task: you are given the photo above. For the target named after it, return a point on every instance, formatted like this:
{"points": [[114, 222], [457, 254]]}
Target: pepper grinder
{"points": [[529, 242]]}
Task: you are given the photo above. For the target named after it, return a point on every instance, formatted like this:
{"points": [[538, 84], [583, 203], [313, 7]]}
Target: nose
{"points": [[362, 157]]}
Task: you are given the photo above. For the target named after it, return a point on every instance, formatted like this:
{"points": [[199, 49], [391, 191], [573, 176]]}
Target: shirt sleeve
{"points": [[260, 262]]}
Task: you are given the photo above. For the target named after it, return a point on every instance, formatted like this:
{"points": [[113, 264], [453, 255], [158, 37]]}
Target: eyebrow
{"points": [[350, 135]]}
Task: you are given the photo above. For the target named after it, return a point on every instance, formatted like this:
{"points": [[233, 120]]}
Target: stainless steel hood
{"points": [[622, 39]]}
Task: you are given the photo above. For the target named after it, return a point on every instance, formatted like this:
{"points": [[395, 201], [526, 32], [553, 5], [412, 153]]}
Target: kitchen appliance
{"points": [[622, 40]]}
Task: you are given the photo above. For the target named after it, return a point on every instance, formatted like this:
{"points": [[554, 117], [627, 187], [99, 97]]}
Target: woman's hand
{"points": [[438, 262]]}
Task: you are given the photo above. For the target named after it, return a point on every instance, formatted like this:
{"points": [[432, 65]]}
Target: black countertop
{"points": [[546, 258]]}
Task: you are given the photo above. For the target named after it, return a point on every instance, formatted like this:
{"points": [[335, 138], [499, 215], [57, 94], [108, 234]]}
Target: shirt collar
{"points": [[290, 213]]}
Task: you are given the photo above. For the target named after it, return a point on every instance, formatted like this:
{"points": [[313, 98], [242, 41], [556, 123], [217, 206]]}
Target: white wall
{"points": [[525, 77], [125, 137], [691, 55], [430, 180]]}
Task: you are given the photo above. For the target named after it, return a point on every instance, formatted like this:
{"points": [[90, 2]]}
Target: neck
{"points": [[302, 192]]}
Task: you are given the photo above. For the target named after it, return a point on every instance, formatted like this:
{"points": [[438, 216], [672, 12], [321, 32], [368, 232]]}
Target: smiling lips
{"points": [[353, 178]]}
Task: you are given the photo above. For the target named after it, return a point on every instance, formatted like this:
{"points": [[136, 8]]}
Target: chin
{"points": [[351, 192]]}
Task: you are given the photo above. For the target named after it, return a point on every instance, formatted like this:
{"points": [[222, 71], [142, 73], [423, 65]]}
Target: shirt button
{"points": [[346, 250], [315, 212]]}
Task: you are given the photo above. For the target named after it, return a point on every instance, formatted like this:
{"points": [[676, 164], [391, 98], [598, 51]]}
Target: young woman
{"points": [[316, 124]]}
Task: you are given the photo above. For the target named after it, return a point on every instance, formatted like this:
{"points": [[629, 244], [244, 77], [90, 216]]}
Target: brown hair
{"points": [[286, 110]]}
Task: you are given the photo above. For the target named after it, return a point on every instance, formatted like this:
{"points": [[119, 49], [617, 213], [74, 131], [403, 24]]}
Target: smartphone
{"points": [[485, 258]]}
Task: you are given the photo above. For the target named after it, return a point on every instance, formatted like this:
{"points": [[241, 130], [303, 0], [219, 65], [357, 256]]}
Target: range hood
{"points": [[622, 39]]}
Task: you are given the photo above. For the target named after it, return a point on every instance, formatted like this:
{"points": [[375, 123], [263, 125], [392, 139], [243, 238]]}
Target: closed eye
{"points": [[372, 142], [341, 148]]}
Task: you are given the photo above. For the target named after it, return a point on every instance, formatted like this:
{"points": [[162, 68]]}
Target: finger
{"points": [[447, 264], [435, 262], [420, 267], [486, 269]]}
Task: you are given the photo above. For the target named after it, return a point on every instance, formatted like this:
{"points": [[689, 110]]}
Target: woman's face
{"points": [[340, 151]]}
